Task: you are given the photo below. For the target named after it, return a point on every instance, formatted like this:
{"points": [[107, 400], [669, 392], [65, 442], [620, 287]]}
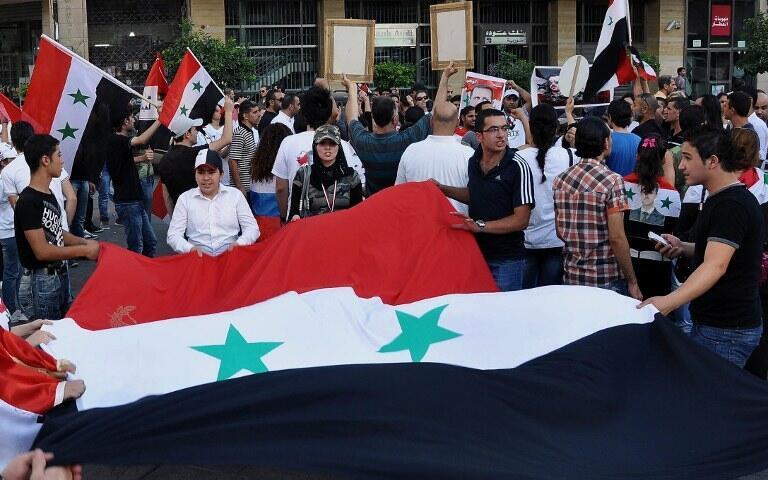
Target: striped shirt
{"points": [[495, 195], [244, 142], [585, 195], [380, 153]]}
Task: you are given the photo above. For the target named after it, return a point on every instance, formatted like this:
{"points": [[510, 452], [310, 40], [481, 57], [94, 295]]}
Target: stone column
{"points": [[562, 31], [207, 15], [328, 9], [73, 24], [668, 46]]}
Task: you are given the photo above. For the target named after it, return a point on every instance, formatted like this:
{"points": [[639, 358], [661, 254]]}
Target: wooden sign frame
{"points": [[328, 53], [469, 28]]}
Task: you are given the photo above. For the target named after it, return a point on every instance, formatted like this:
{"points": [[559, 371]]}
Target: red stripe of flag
{"points": [[46, 86], [187, 69], [11, 109]]}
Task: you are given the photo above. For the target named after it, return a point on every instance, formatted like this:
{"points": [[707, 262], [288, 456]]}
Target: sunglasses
{"points": [[420, 98]]}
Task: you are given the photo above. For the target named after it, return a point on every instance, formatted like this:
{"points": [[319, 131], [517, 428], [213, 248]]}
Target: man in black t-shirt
{"points": [[129, 195], [44, 246], [727, 253], [177, 168]]}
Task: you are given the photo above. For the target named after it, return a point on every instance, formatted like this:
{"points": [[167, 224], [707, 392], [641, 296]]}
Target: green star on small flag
{"points": [[418, 333], [629, 193], [184, 110], [238, 354], [196, 86], [79, 97], [666, 203], [67, 131]]}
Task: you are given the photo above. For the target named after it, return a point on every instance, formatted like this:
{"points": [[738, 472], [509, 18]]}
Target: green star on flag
{"points": [[184, 110], [418, 333], [666, 203], [196, 86], [67, 131], [629, 193], [238, 354], [79, 97]]}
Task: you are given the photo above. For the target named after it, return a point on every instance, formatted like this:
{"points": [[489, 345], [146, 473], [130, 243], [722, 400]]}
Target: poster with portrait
{"points": [[545, 88], [479, 88]]}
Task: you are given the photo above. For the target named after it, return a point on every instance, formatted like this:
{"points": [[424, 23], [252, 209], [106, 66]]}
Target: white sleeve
{"points": [[280, 169], [401, 177], [178, 227], [247, 222], [353, 160]]}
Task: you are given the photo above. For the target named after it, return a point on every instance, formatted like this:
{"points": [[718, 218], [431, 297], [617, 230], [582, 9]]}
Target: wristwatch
{"points": [[480, 223]]}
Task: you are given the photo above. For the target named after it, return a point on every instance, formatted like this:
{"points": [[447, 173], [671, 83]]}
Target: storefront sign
{"points": [[396, 34], [504, 34], [721, 21]]}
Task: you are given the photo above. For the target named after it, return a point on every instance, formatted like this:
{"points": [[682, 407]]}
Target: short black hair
{"points": [[740, 102], [466, 110], [382, 110], [20, 133], [456, 98], [708, 142], [413, 115], [481, 116], [36, 148], [591, 133], [691, 117], [680, 69], [620, 113], [245, 107], [317, 106], [680, 103], [480, 105], [664, 80], [287, 101]]}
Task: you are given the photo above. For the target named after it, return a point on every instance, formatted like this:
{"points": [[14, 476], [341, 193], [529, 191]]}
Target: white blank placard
{"points": [[451, 36], [349, 49]]}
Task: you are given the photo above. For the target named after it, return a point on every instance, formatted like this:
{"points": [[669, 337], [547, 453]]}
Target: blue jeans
{"points": [[733, 345], [543, 266], [81, 192], [139, 233], [44, 295], [104, 196], [508, 274], [681, 316], [11, 273], [619, 286], [148, 188]]}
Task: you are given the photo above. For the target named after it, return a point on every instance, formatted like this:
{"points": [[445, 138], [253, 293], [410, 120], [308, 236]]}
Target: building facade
{"points": [[284, 38]]}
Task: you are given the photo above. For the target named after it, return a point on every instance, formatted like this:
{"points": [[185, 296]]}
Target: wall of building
{"points": [[668, 46]]}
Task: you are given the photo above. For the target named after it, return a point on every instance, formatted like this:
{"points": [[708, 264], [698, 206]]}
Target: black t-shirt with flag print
{"points": [[36, 210]]}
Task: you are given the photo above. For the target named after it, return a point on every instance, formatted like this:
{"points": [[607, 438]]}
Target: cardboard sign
{"points": [[452, 35], [349, 46]]}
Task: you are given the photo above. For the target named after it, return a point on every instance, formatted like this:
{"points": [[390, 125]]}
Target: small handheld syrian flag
{"points": [[643, 68], [9, 110], [611, 66], [193, 94], [155, 85], [63, 93]]}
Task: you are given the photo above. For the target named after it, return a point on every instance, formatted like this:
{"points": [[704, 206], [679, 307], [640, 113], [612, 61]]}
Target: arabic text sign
{"points": [[396, 34], [721, 21], [504, 34]]}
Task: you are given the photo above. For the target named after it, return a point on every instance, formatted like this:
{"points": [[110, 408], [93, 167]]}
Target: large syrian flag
{"points": [[611, 66], [192, 94], [633, 399], [64, 92], [9, 109], [398, 245]]}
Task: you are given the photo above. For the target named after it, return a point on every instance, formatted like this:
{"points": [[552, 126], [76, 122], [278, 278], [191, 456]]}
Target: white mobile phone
{"points": [[658, 238]]}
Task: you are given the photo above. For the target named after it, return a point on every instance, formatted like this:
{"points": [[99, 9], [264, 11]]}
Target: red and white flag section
{"points": [[611, 66], [155, 85], [645, 70], [192, 94], [9, 110], [63, 92]]}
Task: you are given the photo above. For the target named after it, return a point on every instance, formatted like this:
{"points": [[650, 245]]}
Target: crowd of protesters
{"points": [[660, 197]]}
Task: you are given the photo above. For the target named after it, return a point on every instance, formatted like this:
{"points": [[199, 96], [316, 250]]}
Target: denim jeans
{"points": [[44, 295], [681, 316], [508, 274], [11, 273], [543, 266], [148, 188], [104, 196], [618, 286], [139, 233], [733, 345], [81, 192]]}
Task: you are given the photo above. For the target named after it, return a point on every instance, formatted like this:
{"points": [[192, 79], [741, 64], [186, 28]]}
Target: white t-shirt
{"points": [[441, 158], [516, 136], [633, 125], [762, 134], [541, 228], [284, 119], [210, 134]]}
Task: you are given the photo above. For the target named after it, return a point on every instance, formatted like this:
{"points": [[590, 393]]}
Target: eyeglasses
{"points": [[496, 130], [418, 99]]}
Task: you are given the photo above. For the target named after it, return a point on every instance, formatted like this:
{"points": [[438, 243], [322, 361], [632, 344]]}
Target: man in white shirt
{"points": [[439, 157], [290, 106], [211, 215], [295, 150], [758, 124]]}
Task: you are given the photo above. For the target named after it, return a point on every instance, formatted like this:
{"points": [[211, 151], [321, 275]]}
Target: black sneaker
{"points": [[96, 229]]}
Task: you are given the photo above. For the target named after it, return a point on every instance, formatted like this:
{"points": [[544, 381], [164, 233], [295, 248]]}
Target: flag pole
{"points": [[97, 69], [212, 79], [629, 22]]}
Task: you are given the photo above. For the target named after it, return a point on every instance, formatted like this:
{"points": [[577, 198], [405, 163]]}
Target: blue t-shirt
{"points": [[623, 153]]}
